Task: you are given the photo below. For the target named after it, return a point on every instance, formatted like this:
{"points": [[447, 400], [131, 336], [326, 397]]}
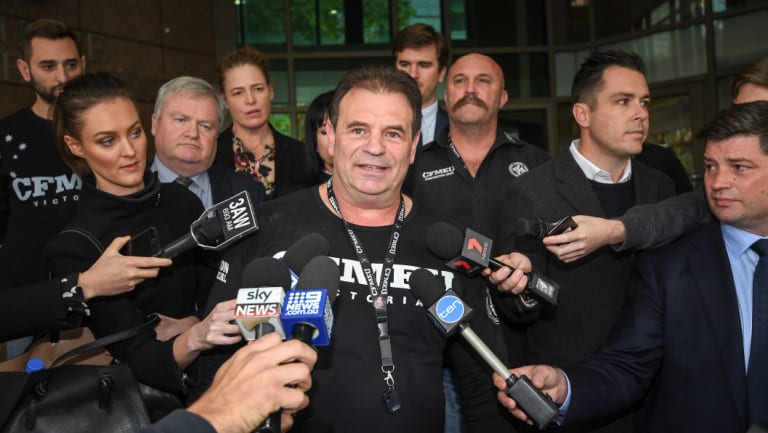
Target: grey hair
{"points": [[190, 86]]}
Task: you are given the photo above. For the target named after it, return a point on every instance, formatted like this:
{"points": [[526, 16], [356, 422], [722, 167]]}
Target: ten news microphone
{"points": [[449, 313], [259, 302], [539, 229], [219, 226], [471, 254], [307, 310]]}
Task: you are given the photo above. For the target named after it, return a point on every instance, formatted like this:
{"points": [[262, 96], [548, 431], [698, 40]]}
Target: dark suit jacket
{"points": [[679, 334], [293, 166], [226, 183], [440, 123]]}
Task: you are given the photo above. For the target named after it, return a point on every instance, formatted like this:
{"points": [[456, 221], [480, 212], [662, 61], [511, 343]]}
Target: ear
{"points": [[271, 92], [414, 147], [441, 74], [74, 146], [24, 70], [504, 98], [82, 62], [331, 137], [581, 113], [154, 124]]}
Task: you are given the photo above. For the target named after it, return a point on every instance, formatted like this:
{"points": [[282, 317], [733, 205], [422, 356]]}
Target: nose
{"points": [[719, 179], [61, 74], [375, 145], [641, 111], [128, 148], [249, 97], [191, 129], [413, 71]]}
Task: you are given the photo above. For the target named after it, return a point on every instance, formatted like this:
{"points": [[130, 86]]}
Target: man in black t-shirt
{"points": [[373, 134], [38, 191]]}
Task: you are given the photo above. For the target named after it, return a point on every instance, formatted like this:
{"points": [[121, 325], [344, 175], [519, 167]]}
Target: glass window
{"points": [[261, 21], [457, 13], [566, 65], [527, 125], [419, 11], [567, 129], [318, 22], [670, 55], [278, 74], [738, 39], [281, 122], [724, 97], [512, 22], [727, 5], [570, 20], [671, 127], [314, 77], [525, 75], [618, 17], [376, 28]]}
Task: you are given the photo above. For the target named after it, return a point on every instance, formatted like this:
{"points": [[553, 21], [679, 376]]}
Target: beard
{"points": [[46, 94]]}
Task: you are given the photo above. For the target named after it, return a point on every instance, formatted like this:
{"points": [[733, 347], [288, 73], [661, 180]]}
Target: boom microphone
{"points": [[307, 311], [218, 227], [259, 302], [471, 254], [449, 313]]}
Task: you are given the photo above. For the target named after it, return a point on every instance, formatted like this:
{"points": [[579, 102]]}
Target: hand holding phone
{"points": [[144, 244]]}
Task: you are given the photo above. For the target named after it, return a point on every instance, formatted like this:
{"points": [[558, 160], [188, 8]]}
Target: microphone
{"points": [[449, 313], [471, 254], [539, 229], [218, 227], [258, 305], [302, 251], [307, 310]]}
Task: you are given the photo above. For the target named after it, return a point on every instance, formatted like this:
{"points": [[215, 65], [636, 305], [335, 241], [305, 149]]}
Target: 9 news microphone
{"points": [[471, 254], [307, 310], [259, 302], [449, 313], [218, 227]]}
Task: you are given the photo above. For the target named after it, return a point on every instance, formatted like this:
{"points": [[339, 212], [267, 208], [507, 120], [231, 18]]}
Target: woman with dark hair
{"points": [[100, 136], [315, 135], [252, 146]]}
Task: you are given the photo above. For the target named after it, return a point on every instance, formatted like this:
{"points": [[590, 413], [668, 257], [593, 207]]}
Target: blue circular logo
{"points": [[449, 309]]}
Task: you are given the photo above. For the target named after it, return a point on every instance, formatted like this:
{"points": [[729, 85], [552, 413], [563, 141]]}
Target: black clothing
{"points": [[615, 198], [180, 421], [170, 208], [38, 194], [347, 381], [666, 161], [293, 166]]}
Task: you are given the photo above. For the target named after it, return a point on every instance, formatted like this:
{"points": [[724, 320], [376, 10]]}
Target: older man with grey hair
{"points": [[186, 121]]}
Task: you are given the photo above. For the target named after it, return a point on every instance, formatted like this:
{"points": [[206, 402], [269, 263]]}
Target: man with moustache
{"points": [[38, 191], [461, 176], [595, 175], [422, 53]]}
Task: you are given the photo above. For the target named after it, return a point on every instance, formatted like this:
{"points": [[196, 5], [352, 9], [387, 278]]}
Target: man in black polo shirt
{"points": [[461, 177]]}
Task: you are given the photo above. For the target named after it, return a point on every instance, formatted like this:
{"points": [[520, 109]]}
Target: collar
{"points": [[738, 241], [593, 172], [166, 175]]}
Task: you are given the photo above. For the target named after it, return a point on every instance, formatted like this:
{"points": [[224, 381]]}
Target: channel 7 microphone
{"points": [[471, 254], [218, 227], [449, 313], [307, 310], [260, 301]]}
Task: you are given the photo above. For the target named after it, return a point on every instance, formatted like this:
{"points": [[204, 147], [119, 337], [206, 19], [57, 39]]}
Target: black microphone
{"points": [[539, 229], [471, 253], [218, 227], [260, 300], [302, 251], [449, 313], [307, 311]]}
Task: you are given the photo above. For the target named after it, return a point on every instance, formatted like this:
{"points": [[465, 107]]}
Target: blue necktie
{"points": [[757, 374]]}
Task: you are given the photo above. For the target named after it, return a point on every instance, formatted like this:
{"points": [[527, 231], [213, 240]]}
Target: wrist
{"points": [[617, 233]]}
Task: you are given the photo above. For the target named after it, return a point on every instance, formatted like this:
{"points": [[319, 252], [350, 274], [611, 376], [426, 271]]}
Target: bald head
{"points": [[474, 91]]}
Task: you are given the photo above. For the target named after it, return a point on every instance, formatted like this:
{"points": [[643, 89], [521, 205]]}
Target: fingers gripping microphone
{"points": [[449, 313], [218, 227], [259, 302], [471, 253], [307, 310], [539, 229]]}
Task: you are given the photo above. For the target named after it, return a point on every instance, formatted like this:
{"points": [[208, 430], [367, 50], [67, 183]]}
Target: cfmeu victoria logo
{"points": [[450, 309]]}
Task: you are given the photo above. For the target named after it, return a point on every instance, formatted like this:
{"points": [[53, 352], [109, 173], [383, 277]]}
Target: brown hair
{"points": [[80, 95], [245, 55], [756, 73], [48, 29], [420, 35]]}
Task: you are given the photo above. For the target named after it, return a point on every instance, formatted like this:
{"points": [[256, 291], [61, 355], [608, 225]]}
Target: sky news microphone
{"points": [[218, 227], [260, 301], [537, 228], [471, 253], [307, 310], [449, 313]]}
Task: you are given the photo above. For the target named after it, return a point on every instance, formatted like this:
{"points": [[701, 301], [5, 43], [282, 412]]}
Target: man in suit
{"points": [[595, 175], [693, 335], [421, 52], [186, 121]]}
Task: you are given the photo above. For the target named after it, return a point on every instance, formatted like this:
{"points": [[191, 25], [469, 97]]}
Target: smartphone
{"points": [[564, 225], [144, 244]]}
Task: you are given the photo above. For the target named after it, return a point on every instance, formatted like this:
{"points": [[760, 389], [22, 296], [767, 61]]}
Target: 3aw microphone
{"points": [[471, 254], [449, 313], [307, 310], [260, 301], [218, 227]]}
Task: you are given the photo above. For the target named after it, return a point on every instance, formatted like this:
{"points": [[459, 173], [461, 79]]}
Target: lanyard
{"points": [[379, 291]]}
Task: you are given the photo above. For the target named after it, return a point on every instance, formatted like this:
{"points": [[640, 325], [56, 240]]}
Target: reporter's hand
{"points": [[590, 234], [256, 381], [548, 379], [113, 273], [504, 278]]}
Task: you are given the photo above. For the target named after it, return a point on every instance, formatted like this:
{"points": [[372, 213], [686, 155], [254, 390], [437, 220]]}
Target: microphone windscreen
{"points": [[209, 231], [266, 272], [320, 273], [530, 227], [426, 287], [444, 240], [304, 249]]}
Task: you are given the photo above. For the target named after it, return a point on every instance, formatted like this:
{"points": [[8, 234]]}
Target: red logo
{"points": [[474, 244]]}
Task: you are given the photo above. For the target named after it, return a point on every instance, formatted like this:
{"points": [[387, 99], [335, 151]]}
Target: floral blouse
{"points": [[262, 169]]}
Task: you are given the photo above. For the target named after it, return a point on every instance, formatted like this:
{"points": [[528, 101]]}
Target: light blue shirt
{"points": [[200, 185], [743, 262]]}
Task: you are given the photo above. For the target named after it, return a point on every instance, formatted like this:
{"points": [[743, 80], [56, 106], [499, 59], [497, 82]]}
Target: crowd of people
{"points": [[638, 340]]}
